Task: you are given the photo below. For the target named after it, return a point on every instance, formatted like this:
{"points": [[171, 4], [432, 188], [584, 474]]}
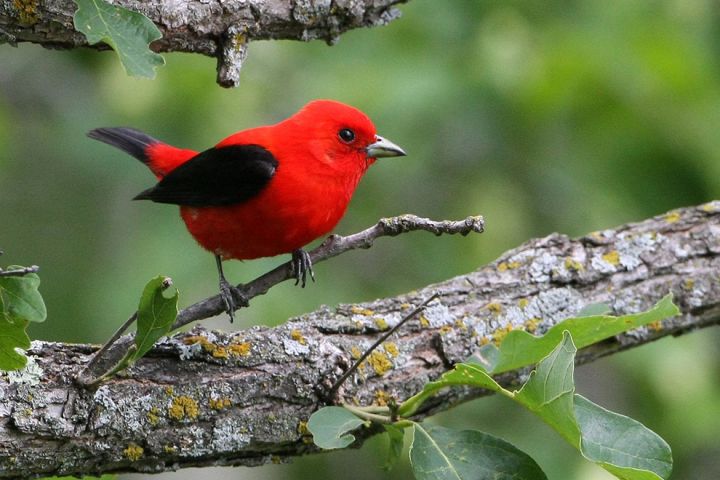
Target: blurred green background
{"points": [[550, 116]]}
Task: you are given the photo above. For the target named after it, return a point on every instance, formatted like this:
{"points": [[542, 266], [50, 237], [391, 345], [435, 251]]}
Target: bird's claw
{"points": [[232, 297], [302, 265]]}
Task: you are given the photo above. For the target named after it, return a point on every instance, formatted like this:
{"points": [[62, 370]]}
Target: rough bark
{"points": [[212, 398], [215, 28]]}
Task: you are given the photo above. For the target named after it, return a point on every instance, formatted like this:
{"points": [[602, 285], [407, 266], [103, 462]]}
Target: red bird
{"points": [[264, 191]]}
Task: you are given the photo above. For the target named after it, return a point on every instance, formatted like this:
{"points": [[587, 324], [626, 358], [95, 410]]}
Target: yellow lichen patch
{"points": [[405, 306], [672, 217], [483, 341], [494, 307], [183, 407], [298, 337], [27, 11], [505, 266], [445, 329], [572, 264], [219, 403], [133, 452], [655, 326], [355, 310], [302, 428], [380, 323], [355, 352], [382, 398], [153, 416], [532, 324], [689, 284], [216, 351], [220, 352], [460, 324], [240, 349], [612, 257], [169, 449], [391, 348], [424, 321], [379, 362], [169, 390], [523, 302], [710, 207], [500, 334]]}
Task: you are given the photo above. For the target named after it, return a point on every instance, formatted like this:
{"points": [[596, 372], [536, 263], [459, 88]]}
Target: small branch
{"points": [[19, 272], [217, 28], [332, 247]]}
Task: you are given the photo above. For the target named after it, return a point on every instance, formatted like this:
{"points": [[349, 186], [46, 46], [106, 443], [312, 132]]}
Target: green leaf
{"points": [[462, 374], [13, 336], [128, 33], [621, 445], [156, 315], [396, 438], [549, 390], [22, 300], [439, 453], [617, 443], [520, 348], [594, 309], [330, 427]]}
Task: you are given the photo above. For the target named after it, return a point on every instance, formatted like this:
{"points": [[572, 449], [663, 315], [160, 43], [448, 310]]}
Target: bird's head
{"points": [[340, 135]]}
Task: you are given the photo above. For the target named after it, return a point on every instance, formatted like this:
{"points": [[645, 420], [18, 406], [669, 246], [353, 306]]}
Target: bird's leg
{"points": [[302, 265], [231, 296]]}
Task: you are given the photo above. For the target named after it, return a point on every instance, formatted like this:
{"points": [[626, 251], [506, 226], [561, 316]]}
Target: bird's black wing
{"points": [[216, 177]]}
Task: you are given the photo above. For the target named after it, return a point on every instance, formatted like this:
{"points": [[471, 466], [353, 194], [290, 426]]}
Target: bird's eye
{"points": [[346, 135]]}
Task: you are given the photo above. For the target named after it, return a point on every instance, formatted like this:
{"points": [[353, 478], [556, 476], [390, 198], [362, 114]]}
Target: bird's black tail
{"points": [[128, 140]]}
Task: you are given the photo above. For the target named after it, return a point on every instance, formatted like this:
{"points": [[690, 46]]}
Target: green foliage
{"points": [[617, 443], [445, 453], [12, 337], [521, 348], [20, 304], [396, 439], [128, 33], [330, 425], [155, 315]]}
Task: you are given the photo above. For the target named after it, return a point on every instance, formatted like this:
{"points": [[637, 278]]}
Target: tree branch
{"points": [[19, 272], [215, 28], [212, 398]]}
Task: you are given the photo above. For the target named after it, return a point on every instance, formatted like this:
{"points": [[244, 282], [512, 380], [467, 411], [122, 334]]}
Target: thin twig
{"points": [[331, 247], [341, 380], [19, 272], [118, 333]]}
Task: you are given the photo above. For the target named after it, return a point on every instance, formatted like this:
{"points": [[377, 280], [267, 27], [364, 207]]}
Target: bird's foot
{"points": [[302, 265], [232, 297]]}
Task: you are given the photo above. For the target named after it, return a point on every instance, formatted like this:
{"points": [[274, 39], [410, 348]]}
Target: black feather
{"points": [[218, 176], [128, 140]]}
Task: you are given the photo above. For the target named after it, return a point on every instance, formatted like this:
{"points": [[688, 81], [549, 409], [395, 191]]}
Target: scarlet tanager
{"points": [[264, 191]]}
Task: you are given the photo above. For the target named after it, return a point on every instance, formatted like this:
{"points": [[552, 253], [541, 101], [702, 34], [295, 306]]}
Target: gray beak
{"points": [[384, 148]]}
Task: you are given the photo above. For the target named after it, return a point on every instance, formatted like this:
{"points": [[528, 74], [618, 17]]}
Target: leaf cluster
{"points": [[617, 443]]}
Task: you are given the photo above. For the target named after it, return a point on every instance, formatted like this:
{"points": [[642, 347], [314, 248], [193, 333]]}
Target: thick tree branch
{"points": [[215, 28], [213, 398]]}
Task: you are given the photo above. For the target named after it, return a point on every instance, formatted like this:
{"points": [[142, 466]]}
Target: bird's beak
{"points": [[384, 148]]}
